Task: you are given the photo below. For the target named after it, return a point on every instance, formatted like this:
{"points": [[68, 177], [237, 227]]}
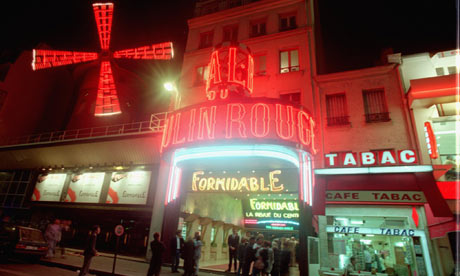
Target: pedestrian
{"points": [[90, 250], [197, 256], [240, 255], [188, 256], [232, 242], [53, 236], [249, 256], [259, 262], [157, 248], [66, 236], [276, 258], [270, 257], [367, 258], [176, 247], [285, 258]]}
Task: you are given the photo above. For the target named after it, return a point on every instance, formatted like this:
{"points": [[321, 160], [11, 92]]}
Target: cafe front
{"points": [[372, 206]]}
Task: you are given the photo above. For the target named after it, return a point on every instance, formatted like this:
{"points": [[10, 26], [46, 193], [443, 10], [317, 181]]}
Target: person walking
{"points": [[285, 258], [53, 236], [249, 256], [176, 246], [240, 255], [188, 256], [157, 248], [276, 258], [232, 242], [66, 236], [198, 244], [90, 250]]}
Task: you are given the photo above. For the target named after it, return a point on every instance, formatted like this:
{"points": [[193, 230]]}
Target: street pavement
{"points": [[70, 265]]}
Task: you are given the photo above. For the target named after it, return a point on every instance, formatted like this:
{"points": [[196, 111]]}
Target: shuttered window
{"points": [[375, 106], [336, 109]]}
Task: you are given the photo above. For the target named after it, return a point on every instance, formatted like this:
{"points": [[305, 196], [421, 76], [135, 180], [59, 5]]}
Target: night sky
{"points": [[353, 33]]}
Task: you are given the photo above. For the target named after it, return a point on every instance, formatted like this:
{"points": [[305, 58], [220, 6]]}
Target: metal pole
{"points": [[115, 256]]}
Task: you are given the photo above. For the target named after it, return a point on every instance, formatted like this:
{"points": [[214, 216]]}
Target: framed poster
{"points": [[85, 188], [49, 187], [129, 187]]}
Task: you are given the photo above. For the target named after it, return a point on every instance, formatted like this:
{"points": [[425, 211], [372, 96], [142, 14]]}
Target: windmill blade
{"points": [[156, 51], [107, 102], [50, 58], [103, 12]]}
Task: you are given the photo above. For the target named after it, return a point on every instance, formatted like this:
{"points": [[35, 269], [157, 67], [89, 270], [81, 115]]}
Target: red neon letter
{"points": [[167, 133], [209, 120], [214, 70], [232, 67], [176, 131], [255, 121], [250, 74], [231, 120], [191, 126], [280, 122], [304, 130]]}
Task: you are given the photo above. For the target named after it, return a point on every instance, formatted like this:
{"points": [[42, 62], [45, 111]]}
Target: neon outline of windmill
{"points": [[107, 102]]}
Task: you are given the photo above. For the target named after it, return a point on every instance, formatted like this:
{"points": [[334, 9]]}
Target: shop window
{"points": [[292, 97], [440, 71], [206, 39], [258, 28], [230, 33], [287, 22], [336, 110], [289, 61], [375, 106], [260, 65], [201, 75], [452, 70]]}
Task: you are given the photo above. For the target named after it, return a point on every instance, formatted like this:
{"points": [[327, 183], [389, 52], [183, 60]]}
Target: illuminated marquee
{"points": [[370, 158], [271, 214], [231, 72], [253, 119]]}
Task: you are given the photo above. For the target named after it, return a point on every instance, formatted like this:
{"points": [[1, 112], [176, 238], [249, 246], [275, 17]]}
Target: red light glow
{"points": [[250, 221], [431, 141], [156, 51], [103, 13], [107, 100], [51, 58]]}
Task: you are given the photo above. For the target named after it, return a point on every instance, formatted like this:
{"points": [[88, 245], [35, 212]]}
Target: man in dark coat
{"points": [[157, 248], [176, 246], [249, 256], [90, 250], [188, 255], [232, 242]]}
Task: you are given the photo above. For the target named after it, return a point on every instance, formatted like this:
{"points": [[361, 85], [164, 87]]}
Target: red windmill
{"points": [[107, 102]]}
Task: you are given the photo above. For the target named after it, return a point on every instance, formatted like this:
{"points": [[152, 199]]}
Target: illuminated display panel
{"points": [[129, 187], [271, 214], [49, 187], [251, 120], [276, 181], [430, 139], [85, 188]]}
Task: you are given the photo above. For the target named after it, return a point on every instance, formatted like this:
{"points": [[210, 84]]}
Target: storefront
{"points": [[376, 213], [106, 196], [236, 163]]}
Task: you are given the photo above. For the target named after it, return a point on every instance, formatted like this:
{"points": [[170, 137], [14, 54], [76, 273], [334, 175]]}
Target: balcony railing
{"points": [[155, 125], [338, 121], [377, 117]]}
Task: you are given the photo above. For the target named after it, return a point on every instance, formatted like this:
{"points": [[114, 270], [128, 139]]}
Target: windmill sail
{"points": [[50, 58]]}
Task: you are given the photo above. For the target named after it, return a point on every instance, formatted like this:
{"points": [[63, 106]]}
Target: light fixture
{"points": [[354, 221]]}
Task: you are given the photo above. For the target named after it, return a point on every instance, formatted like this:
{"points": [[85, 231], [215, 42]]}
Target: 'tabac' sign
{"points": [[371, 158], [251, 119]]}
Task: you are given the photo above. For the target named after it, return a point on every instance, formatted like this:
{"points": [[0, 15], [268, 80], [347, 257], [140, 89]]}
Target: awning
{"points": [[440, 226], [421, 181], [449, 189], [433, 90]]}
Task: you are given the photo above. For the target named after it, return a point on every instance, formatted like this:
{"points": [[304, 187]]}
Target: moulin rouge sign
{"points": [[232, 115]]}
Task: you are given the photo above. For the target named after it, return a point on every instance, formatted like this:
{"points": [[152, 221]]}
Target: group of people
{"points": [[57, 234]]}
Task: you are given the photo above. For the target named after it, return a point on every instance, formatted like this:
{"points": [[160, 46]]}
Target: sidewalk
{"points": [[103, 264]]}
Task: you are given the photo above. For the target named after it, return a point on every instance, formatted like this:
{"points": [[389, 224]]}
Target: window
{"points": [[292, 97], [201, 75], [452, 70], [288, 22], [258, 28], [375, 106], [206, 39], [289, 61], [230, 33], [440, 71], [260, 65], [336, 109]]}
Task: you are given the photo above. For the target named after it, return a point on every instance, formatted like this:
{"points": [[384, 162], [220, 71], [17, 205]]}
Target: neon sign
{"points": [[253, 119], [370, 158], [234, 184], [431, 141], [271, 214], [231, 72]]}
